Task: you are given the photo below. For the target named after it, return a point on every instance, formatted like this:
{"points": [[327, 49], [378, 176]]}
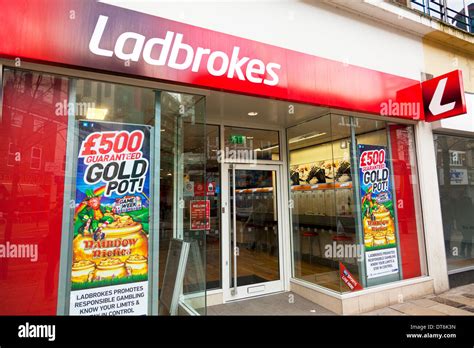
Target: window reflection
{"points": [[33, 149], [455, 162]]}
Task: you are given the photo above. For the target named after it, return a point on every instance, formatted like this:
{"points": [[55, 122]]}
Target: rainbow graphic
{"points": [[97, 192]]}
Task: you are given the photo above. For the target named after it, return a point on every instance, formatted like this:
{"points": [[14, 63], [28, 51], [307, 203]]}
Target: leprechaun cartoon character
{"points": [[368, 203], [91, 216], [371, 205]]}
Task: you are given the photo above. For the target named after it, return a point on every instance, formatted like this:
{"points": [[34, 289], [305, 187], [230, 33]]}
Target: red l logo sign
{"points": [[435, 106], [443, 96]]}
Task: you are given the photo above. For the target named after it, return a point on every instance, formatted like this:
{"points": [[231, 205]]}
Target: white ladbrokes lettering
{"points": [[218, 62]]}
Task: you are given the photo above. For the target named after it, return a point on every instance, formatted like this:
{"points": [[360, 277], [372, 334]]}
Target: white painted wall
{"points": [[463, 123], [306, 26], [431, 206]]}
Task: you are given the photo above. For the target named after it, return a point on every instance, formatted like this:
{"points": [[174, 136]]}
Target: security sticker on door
{"points": [[381, 262]]}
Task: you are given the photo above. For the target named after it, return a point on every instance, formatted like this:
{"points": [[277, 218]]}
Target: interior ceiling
{"points": [[310, 133], [307, 125], [227, 107]]}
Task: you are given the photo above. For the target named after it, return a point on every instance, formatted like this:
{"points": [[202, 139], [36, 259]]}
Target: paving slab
{"points": [[412, 309], [384, 311], [450, 310], [459, 299], [424, 302]]}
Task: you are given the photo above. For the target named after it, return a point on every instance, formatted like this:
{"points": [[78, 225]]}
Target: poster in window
{"points": [[378, 211], [111, 220], [200, 211]]}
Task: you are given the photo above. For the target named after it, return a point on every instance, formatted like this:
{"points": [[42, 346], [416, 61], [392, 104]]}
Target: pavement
{"points": [[457, 301]]}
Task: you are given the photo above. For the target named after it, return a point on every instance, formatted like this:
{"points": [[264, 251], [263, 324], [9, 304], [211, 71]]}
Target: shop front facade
{"points": [[453, 147], [280, 164]]}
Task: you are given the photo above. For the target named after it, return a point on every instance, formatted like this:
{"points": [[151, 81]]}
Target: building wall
{"points": [[440, 58]]}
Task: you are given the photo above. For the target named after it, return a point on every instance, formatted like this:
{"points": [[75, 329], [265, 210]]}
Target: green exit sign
{"points": [[237, 139]]}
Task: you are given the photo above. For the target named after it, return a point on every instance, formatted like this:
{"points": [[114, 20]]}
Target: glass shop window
{"points": [[353, 202]]}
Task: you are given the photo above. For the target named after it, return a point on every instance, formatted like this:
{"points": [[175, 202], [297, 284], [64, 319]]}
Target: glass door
{"points": [[252, 252], [183, 207]]}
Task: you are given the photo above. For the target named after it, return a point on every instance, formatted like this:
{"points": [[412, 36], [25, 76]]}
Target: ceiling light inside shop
{"points": [[306, 137], [96, 114], [266, 148], [252, 113]]}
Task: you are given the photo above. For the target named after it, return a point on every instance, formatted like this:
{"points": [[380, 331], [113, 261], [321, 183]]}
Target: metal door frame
{"points": [[242, 292]]}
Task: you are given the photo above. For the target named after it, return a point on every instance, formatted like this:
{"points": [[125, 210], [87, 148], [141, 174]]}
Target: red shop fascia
{"points": [[93, 36]]}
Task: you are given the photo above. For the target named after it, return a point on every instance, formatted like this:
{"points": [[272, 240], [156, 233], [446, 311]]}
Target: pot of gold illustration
{"points": [[379, 239], [123, 234], [390, 238], [109, 269], [368, 240], [382, 214], [138, 264], [82, 270]]}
